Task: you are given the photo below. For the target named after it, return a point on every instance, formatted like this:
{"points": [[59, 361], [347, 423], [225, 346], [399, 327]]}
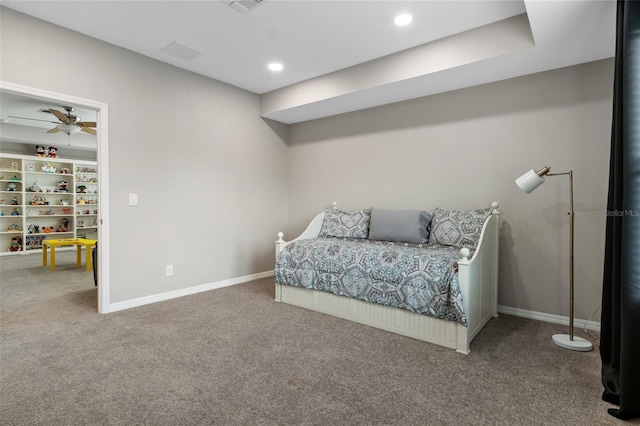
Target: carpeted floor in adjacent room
{"points": [[235, 357]]}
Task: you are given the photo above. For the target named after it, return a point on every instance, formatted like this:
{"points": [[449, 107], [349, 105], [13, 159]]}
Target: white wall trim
{"points": [[556, 319], [146, 300], [127, 304]]}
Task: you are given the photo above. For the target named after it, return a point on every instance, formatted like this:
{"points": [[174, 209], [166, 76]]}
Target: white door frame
{"points": [[103, 175]]}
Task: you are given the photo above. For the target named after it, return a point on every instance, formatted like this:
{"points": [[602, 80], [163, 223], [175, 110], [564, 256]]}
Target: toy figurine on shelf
{"points": [[53, 152], [16, 244], [33, 187], [82, 188], [14, 201], [38, 200], [62, 186], [47, 229], [40, 151], [63, 226], [12, 187], [33, 242], [49, 168], [15, 212], [33, 229], [13, 228]]}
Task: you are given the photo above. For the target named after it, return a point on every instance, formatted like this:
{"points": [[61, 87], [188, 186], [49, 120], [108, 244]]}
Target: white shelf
{"points": [[49, 183], [44, 234], [49, 215], [49, 174]]}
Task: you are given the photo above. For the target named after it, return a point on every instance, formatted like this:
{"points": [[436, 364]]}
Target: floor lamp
{"points": [[528, 182]]}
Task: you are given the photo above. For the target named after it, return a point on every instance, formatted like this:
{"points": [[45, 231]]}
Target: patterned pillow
{"points": [[459, 228], [346, 224]]}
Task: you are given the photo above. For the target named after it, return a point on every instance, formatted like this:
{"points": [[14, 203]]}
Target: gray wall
{"points": [[464, 149], [210, 173], [216, 182]]}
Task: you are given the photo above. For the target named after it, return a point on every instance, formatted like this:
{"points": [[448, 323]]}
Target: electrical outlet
{"points": [[169, 270]]}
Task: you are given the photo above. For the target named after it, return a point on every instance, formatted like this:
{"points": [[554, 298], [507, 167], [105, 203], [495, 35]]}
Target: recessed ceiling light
{"points": [[402, 20], [276, 66]]}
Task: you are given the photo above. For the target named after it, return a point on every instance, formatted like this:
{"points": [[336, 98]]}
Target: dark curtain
{"points": [[620, 322]]}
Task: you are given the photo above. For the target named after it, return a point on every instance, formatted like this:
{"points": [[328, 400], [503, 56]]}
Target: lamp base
{"points": [[577, 344]]}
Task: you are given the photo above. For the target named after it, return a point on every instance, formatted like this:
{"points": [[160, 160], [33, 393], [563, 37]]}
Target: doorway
{"points": [[102, 158]]}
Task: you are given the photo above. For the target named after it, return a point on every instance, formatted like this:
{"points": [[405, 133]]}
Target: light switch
{"points": [[133, 199]]}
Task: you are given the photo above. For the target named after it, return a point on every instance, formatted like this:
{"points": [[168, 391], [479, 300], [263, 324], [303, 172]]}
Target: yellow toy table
{"points": [[78, 242]]}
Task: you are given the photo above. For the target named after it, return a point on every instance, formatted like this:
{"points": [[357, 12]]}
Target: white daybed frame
{"points": [[478, 278]]}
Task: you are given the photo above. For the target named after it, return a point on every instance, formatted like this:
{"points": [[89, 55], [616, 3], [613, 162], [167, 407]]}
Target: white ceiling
{"points": [[316, 38], [310, 38]]}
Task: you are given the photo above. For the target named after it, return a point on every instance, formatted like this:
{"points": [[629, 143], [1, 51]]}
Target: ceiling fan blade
{"points": [[87, 123], [89, 130], [33, 119], [54, 130], [60, 116]]}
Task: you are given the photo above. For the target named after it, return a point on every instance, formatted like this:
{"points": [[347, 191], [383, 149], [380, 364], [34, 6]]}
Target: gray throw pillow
{"points": [[341, 224], [407, 226]]}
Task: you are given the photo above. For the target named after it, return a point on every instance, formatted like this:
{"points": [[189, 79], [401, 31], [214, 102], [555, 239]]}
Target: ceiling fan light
{"points": [[69, 129]]}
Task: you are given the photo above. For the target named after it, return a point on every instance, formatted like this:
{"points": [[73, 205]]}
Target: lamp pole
{"points": [[571, 227]]}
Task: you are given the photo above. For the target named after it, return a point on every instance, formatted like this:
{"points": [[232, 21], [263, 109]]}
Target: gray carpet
{"points": [[234, 356]]}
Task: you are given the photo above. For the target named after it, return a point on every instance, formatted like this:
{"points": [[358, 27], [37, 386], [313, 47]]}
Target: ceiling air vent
{"points": [[243, 6], [180, 51]]}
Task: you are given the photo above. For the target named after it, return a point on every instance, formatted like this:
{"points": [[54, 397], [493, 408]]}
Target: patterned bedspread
{"points": [[418, 278]]}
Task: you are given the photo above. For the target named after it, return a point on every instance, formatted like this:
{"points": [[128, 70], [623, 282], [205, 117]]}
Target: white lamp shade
{"points": [[529, 181], [69, 129]]}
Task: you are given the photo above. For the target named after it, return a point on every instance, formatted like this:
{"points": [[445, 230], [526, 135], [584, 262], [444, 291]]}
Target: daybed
{"points": [[433, 277]]}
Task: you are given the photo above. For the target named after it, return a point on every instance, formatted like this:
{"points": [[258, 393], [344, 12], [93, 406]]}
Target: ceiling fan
{"points": [[68, 123]]}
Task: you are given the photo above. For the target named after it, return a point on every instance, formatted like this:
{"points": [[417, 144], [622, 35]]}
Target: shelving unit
{"points": [[11, 204], [87, 200], [45, 198]]}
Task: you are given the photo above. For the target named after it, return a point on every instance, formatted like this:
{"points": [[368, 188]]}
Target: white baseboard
{"points": [[556, 319], [146, 300], [127, 304]]}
